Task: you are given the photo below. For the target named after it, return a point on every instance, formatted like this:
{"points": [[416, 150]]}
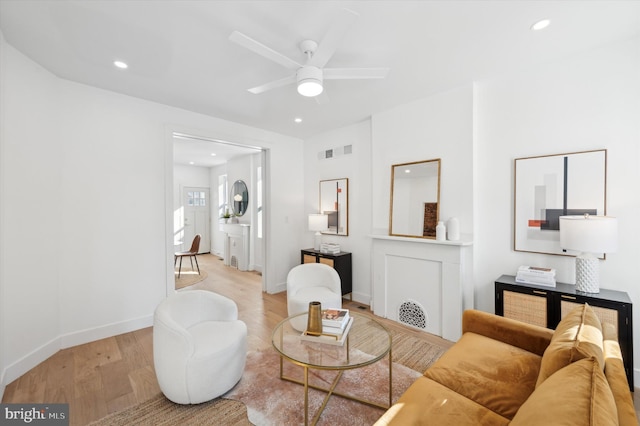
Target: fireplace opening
{"points": [[413, 314]]}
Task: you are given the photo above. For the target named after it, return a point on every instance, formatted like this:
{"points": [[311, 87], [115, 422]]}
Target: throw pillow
{"points": [[577, 336], [586, 399]]}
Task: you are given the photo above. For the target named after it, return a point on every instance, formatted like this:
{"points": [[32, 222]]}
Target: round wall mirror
{"points": [[239, 198]]}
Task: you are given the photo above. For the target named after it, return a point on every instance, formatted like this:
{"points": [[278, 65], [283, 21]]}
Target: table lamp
{"points": [[318, 222], [588, 235]]}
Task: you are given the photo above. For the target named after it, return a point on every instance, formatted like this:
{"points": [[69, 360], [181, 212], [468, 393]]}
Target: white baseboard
{"points": [[40, 354], [30, 360], [279, 288], [363, 298], [89, 335]]}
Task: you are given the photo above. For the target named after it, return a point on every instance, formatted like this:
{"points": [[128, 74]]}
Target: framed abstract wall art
{"points": [[550, 186]]}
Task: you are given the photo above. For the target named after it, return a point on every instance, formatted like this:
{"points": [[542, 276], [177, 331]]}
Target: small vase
{"points": [[453, 229], [314, 322], [441, 231]]}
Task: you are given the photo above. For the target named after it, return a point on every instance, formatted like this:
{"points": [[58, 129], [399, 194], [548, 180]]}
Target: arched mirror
{"points": [[239, 198], [415, 199]]}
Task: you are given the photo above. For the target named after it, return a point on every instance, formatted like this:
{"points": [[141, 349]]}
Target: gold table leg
{"points": [[306, 395]]}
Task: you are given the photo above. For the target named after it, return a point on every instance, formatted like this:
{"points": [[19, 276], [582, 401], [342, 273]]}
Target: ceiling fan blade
{"points": [[354, 73], [262, 50], [272, 85], [331, 40]]}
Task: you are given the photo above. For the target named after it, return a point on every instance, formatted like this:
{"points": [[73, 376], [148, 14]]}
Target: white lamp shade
{"points": [[589, 234], [318, 222]]}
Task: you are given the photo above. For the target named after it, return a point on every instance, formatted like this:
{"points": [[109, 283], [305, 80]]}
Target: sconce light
{"points": [[588, 235], [318, 222]]}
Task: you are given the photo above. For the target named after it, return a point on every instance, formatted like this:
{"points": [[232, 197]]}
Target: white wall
{"points": [[440, 126], [589, 101], [357, 168], [31, 212], [436, 127], [98, 233]]}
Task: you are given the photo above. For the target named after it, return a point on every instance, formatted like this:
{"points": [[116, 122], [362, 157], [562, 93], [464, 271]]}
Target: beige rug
{"points": [[267, 400], [189, 277], [159, 411]]}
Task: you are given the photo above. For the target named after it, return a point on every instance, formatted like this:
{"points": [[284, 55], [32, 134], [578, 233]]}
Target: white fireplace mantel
{"points": [[434, 276], [236, 245]]}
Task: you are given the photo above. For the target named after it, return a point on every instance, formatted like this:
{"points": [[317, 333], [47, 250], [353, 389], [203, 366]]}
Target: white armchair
{"points": [[309, 282], [199, 346]]}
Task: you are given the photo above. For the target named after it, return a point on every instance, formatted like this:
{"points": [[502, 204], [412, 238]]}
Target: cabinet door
{"points": [[604, 314], [326, 261], [307, 258], [529, 308]]}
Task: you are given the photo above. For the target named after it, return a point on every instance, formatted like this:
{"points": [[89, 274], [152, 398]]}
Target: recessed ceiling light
{"points": [[121, 65], [540, 25], [213, 154], [407, 171], [298, 120], [192, 163]]}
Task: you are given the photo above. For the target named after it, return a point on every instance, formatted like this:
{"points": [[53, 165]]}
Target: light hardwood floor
{"points": [[112, 374]]}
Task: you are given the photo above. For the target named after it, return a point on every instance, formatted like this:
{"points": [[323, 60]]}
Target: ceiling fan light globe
{"points": [[310, 87], [309, 79]]}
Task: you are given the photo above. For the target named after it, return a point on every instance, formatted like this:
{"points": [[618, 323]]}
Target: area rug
{"points": [[271, 401], [261, 398], [189, 277], [159, 411]]}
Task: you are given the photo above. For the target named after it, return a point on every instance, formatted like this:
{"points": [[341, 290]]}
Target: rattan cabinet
{"points": [[546, 306], [341, 262]]}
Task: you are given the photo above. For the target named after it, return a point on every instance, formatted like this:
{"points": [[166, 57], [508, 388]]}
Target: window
{"points": [[196, 199], [259, 201], [222, 195]]}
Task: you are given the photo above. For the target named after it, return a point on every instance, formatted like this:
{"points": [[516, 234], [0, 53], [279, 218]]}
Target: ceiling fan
{"points": [[309, 76]]}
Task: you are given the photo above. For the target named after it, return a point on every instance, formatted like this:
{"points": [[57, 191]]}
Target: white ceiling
{"points": [[195, 151], [179, 52]]}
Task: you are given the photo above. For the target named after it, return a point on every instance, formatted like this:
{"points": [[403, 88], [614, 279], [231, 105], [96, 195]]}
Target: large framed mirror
{"points": [[334, 202], [239, 198], [415, 199]]}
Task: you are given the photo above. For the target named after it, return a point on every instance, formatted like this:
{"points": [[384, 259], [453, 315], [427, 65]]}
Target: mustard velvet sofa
{"points": [[505, 372]]}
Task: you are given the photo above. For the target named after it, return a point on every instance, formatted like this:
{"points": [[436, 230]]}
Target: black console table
{"points": [[545, 306], [341, 262]]}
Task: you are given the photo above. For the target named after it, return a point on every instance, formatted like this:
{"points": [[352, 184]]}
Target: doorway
{"points": [[198, 163], [196, 217]]}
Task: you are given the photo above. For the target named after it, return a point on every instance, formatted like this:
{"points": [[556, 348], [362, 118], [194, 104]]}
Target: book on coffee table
{"points": [[329, 336], [334, 317]]}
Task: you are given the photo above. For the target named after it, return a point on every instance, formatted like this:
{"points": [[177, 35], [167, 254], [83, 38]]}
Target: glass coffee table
{"points": [[367, 342]]}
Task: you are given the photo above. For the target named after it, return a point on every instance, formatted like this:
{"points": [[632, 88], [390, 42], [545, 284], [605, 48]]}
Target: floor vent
{"points": [[234, 262], [413, 314]]}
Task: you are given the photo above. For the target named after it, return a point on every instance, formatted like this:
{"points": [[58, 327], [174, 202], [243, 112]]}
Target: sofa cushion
{"points": [[616, 376], [494, 374], [577, 336], [586, 398], [429, 403]]}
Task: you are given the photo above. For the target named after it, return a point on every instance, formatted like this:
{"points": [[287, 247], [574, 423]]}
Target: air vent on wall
{"points": [[335, 152], [413, 314]]}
